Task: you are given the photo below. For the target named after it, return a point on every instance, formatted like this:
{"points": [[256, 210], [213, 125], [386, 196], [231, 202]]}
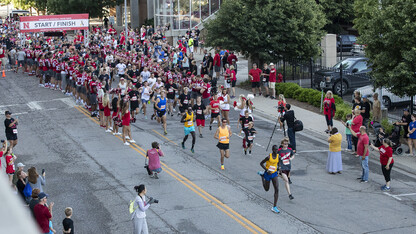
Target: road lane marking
{"points": [[164, 137], [193, 187], [34, 106], [405, 194]]}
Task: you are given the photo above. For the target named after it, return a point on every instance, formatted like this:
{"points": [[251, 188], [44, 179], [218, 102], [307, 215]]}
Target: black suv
{"points": [[354, 75]]}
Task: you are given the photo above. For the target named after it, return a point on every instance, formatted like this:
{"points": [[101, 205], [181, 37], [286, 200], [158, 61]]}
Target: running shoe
{"points": [[290, 181], [193, 151], [165, 132], [222, 167], [382, 187], [363, 181], [183, 145], [200, 136], [249, 153], [145, 117], [132, 141], [108, 130], [210, 127], [359, 178], [291, 197], [260, 173], [152, 175], [386, 188], [127, 137], [156, 177], [118, 133], [126, 143], [275, 210], [245, 152]]}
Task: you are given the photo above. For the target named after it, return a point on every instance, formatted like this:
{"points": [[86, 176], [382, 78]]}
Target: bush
{"points": [[297, 94], [290, 89], [388, 127]]}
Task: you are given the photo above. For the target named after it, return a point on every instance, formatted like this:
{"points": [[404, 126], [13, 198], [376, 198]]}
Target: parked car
{"points": [[389, 99], [347, 42], [358, 50], [354, 75]]}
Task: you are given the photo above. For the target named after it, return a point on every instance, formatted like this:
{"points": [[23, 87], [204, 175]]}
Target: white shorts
{"points": [[272, 85]]}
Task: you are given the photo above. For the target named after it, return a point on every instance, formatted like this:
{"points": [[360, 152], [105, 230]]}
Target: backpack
{"points": [[131, 207], [27, 191], [298, 126]]}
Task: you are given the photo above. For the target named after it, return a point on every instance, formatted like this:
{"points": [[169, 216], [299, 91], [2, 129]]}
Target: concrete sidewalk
{"points": [[314, 124]]}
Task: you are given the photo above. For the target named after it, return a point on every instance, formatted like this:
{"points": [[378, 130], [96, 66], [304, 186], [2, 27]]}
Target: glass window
{"points": [[360, 65], [184, 7], [347, 63], [204, 8], [195, 14], [215, 5]]}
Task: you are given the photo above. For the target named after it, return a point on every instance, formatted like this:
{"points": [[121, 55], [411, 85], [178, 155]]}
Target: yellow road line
{"points": [[164, 137], [193, 187]]}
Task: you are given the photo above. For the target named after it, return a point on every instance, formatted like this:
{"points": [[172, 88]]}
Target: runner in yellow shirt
{"points": [[271, 173], [223, 135], [189, 127]]}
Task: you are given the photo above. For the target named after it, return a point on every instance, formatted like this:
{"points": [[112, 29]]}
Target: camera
{"points": [[152, 200]]}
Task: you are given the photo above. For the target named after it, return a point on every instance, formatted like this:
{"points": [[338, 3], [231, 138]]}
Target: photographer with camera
{"points": [[153, 165], [11, 128], [139, 210]]}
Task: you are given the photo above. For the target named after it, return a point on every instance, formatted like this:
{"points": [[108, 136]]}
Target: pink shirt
{"points": [[154, 161]]}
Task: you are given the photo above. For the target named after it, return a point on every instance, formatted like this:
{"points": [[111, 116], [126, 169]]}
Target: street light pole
{"points": [[125, 21], [340, 67]]}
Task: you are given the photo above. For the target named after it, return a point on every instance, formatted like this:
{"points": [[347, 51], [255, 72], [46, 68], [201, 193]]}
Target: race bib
{"points": [[272, 168], [223, 138], [250, 138], [286, 161], [264, 79], [245, 125], [170, 90], [189, 122], [162, 107], [199, 112], [134, 98], [185, 101], [14, 131]]}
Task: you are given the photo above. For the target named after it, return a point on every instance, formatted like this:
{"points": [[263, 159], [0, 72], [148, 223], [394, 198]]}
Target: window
{"points": [[360, 65]]}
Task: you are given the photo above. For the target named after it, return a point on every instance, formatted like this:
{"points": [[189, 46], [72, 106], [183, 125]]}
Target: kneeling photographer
{"points": [[139, 210]]}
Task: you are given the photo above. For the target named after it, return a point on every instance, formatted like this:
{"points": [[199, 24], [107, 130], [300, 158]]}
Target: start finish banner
{"points": [[46, 23]]}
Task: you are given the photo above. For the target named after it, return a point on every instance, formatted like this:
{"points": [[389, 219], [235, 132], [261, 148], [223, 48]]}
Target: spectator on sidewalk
{"points": [[272, 81], [356, 104], [20, 167], [334, 162], [289, 117], [67, 223], [348, 134], [35, 200], [405, 121], [43, 213], [232, 58], [376, 108], [363, 152], [254, 75], [412, 135], [21, 183], [329, 110], [365, 111], [217, 64], [357, 122], [386, 161], [10, 125], [265, 79], [35, 180]]}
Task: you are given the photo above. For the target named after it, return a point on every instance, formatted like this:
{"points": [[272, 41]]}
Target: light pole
{"points": [[125, 21]]}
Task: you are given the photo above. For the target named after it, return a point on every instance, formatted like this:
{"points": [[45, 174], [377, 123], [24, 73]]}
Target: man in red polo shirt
{"points": [[254, 75], [43, 213]]}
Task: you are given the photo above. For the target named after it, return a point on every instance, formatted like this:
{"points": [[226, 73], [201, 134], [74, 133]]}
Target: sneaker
{"points": [[290, 181], [132, 141], [183, 145], [245, 152], [156, 177], [210, 127], [407, 152], [108, 130], [386, 188], [363, 181], [114, 133], [382, 187], [291, 197], [249, 152], [152, 175], [200, 136], [127, 137], [327, 131], [260, 173], [275, 210], [126, 143], [193, 151], [118, 133], [165, 132], [359, 178], [222, 167]]}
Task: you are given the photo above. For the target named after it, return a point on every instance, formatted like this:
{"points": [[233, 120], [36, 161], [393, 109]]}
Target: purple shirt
{"points": [[154, 161]]}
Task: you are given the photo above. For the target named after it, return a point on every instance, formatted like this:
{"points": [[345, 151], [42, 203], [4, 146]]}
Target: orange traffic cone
{"points": [[4, 74]]}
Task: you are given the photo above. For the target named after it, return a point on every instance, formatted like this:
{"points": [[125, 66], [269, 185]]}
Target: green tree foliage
{"points": [[95, 8], [389, 30], [340, 12], [268, 30]]}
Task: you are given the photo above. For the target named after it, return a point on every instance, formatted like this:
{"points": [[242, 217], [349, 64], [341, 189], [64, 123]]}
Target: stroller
{"points": [[394, 137]]}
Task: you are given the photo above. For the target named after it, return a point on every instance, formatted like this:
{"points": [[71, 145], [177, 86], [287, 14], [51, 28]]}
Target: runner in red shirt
{"points": [[214, 107], [125, 121]]}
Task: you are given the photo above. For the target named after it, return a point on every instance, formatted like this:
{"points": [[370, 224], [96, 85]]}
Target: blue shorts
{"points": [[269, 177], [188, 130], [158, 170]]}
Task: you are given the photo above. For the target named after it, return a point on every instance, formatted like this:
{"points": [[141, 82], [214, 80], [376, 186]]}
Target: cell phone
{"points": [[43, 171]]}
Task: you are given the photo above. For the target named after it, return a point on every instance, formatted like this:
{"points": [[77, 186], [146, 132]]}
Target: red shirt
{"points": [[272, 76], [207, 91], [42, 216], [215, 104], [217, 60], [362, 141], [280, 78], [385, 154], [357, 122], [255, 73], [328, 107], [230, 59], [10, 164]]}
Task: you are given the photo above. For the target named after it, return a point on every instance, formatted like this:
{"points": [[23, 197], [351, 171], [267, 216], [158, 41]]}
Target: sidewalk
{"points": [[312, 122]]}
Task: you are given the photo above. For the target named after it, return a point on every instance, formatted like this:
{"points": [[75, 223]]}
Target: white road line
{"points": [[312, 151], [69, 101], [405, 194], [254, 143], [34, 106], [393, 196]]}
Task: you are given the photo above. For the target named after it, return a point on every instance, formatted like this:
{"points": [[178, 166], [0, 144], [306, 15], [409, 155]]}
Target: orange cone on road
{"points": [[4, 74]]}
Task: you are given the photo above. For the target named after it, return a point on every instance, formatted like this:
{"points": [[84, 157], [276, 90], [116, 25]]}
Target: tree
{"points": [[338, 13], [389, 31], [268, 30], [95, 8]]}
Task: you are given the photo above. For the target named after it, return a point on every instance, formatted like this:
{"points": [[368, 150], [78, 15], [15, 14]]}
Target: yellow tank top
{"points": [[189, 120], [272, 163], [223, 135]]}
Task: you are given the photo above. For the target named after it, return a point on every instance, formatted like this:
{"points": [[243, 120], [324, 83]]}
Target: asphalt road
{"points": [[93, 172]]}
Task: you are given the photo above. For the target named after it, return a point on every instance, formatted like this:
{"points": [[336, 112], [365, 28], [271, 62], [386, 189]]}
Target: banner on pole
{"points": [[47, 23]]}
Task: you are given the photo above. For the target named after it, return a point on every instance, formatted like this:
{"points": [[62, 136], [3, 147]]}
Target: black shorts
{"points": [[11, 136], [214, 115], [182, 109], [223, 146], [134, 105], [233, 83], [93, 99], [285, 172], [217, 68], [255, 84], [161, 113]]}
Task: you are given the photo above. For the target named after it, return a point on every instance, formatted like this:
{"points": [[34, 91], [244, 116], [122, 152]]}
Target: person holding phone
{"points": [[11, 129]]}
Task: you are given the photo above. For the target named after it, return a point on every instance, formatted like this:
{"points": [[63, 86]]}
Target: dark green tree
{"points": [[339, 13], [95, 8], [267, 30], [389, 31]]}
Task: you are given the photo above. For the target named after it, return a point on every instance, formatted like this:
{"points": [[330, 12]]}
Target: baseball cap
{"points": [[42, 195], [122, 78], [364, 96], [20, 165], [271, 64], [7, 113], [406, 109]]}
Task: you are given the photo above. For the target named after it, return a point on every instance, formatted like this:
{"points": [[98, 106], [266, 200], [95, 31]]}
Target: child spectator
{"points": [[67, 222], [51, 230], [348, 131], [10, 169]]}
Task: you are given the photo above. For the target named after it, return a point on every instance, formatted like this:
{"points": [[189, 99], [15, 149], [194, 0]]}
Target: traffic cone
{"points": [[4, 74]]}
